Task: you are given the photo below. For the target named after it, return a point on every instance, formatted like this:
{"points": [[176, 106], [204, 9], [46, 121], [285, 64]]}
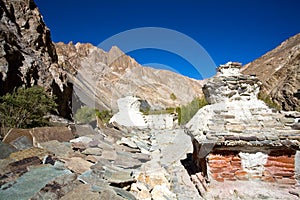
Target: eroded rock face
{"points": [[107, 76], [27, 54], [279, 71]]}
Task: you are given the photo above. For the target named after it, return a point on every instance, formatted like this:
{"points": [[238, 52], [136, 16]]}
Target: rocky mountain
{"points": [[108, 76], [279, 71], [27, 54]]}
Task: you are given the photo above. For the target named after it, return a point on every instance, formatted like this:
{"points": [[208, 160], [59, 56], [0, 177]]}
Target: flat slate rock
{"points": [[77, 164], [81, 192], [30, 183], [57, 148], [22, 143], [6, 150]]}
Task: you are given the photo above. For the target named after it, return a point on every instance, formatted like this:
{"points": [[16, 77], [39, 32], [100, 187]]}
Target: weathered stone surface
{"points": [[92, 151], [6, 150], [162, 192], [128, 142], [109, 194], [57, 148], [59, 187], [82, 139], [81, 192], [44, 134], [31, 182], [121, 177], [27, 153], [15, 133], [78, 165], [22, 143]]}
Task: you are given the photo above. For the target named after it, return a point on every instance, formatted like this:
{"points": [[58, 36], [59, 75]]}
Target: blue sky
{"points": [[229, 30]]}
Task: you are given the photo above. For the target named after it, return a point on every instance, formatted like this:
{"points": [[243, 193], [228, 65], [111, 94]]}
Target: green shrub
{"points": [[268, 101], [85, 114], [186, 112], [104, 115], [173, 96], [26, 108]]}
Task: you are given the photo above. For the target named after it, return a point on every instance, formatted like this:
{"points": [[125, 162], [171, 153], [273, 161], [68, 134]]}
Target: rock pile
{"points": [[128, 163]]}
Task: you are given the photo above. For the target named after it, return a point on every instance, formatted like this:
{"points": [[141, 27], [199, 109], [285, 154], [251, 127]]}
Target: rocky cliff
{"points": [[27, 54], [279, 70], [108, 76]]}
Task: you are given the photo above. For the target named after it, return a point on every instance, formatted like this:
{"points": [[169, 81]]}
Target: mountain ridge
{"points": [[279, 71], [113, 75]]}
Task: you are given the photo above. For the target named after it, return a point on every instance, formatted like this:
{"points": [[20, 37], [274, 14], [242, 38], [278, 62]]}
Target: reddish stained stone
{"points": [[227, 175], [256, 176], [236, 163], [286, 181], [266, 173], [220, 179], [284, 174], [279, 164], [216, 170], [213, 157], [274, 169], [231, 179], [236, 158], [218, 165], [283, 159], [234, 170], [215, 175], [241, 175], [268, 179]]}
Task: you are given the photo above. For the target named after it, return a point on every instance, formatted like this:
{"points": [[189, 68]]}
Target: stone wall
{"points": [[233, 166]]}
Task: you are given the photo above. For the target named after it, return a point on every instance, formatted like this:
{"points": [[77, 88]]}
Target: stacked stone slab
{"points": [[238, 137]]}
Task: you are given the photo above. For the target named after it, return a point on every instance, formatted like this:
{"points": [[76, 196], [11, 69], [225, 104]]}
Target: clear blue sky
{"points": [[229, 30]]}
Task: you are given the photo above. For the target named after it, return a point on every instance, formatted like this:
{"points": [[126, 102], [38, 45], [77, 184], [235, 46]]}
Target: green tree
{"points": [[85, 114], [26, 108]]}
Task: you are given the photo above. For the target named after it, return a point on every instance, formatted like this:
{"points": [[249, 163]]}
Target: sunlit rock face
{"points": [[106, 76], [279, 71], [27, 54]]}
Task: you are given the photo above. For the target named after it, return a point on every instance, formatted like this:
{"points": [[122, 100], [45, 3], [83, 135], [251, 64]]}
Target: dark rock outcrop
{"points": [[279, 71], [27, 54]]}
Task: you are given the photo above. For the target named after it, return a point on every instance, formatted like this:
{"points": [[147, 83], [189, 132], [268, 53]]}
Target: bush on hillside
{"points": [[26, 108], [268, 101], [104, 115], [186, 112], [85, 114]]}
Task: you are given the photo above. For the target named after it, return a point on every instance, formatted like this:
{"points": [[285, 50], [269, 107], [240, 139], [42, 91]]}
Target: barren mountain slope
{"points": [[279, 70], [107, 76]]}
